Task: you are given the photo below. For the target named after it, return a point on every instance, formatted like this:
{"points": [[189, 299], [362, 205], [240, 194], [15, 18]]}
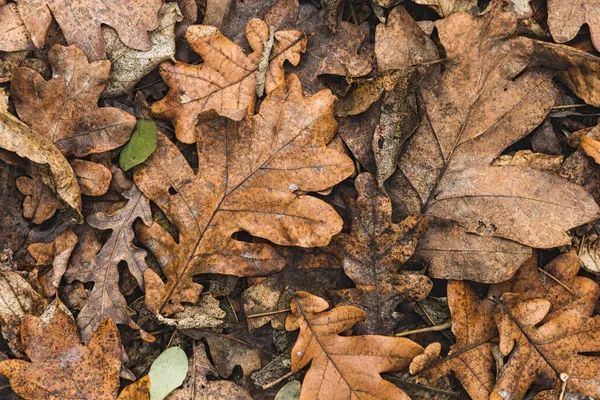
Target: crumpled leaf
{"points": [[19, 138], [105, 299], [343, 367], [65, 109], [447, 7], [56, 254], [141, 145], [18, 299], [539, 354], [225, 83], [590, 253], [470, 358], [372, 256], [565, 18], [198, 384], [239, 187], [167, 372], [205, 314], [60, 367], [40, 203], [80, 22], [130, 65], [444, 169], [93, 178]]}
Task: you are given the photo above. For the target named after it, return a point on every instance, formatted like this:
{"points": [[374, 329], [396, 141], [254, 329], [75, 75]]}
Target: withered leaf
{"points": [[105, 299], [249, 181], [65, 109], [13, 34], [470, 358], [81, 21], [343, 367], [199, 386], [447, 7], [18, 299], [39, 203], [445, 168], [225, 83], [373, 254], [94, 179], [565, 18], [60, 367], [539, 354], [19, 138], [130, 65], [56, 254], [527, 158]]}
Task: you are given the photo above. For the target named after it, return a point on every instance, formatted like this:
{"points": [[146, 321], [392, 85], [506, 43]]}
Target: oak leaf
{"points": [[105, 299], [540, 353], [251, 175], [60, 367], [343, 367], [225, 83], [81, 22], [565, 18], [481, 102], [373, 254], [470, 358]]}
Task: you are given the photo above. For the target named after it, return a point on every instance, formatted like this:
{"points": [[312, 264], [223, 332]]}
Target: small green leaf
{"points": [[167, 372], [140, 146], [291, 391]]}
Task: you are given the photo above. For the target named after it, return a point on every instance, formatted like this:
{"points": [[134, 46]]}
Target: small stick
{"points": [[233, 309], [266, 314], [555, 279], [569, 106], [436, 328], [352, 13], [564, 378], [276, 381]]}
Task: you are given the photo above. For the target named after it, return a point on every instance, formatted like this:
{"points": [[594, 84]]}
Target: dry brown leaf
{"points": [[343, 367], [56, 254], [565, 18], [139, 390], [94, 179], [130, 65], [242, 187], [65, 109], [105, 299], [40, 203], [470, 358], [527, 158], [539, 353], [14, 226], [590, 253], [81, 20], [55, 169], [198, 385], [372, 256], [18, 299], [61, 368], [225, 83], [13, 34], [445, 167], [447, 7], [591, 147]]}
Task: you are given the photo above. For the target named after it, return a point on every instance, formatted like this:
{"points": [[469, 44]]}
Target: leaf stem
{"points": [[436, 328]]}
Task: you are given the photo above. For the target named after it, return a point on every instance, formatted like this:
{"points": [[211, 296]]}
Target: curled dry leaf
{"points": [[470, 358], [56, 254], [225, 83], [445, 168], [590, 253], [565, 18], [527, 158], [447, 7], [199, 386], [19, 138], [80, 22], [540, 353], [105, 299], [18, 299], [256, 189], [60, 367], [130, 65], [343, 367], [372, 255]]}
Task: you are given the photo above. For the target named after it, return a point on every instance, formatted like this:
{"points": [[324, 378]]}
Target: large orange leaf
{"points": [[253, 177], [225, 83], [61, 368], [343, 367]]}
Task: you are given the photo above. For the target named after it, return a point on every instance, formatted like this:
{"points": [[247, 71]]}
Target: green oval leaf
{"points": [[167, 372], [141, 145]]}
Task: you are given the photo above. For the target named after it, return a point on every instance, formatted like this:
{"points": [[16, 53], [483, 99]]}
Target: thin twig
{"points": [[435, 328], [276, 381], [555, 279], [233, 309], [266, 314], [569, 106]]}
